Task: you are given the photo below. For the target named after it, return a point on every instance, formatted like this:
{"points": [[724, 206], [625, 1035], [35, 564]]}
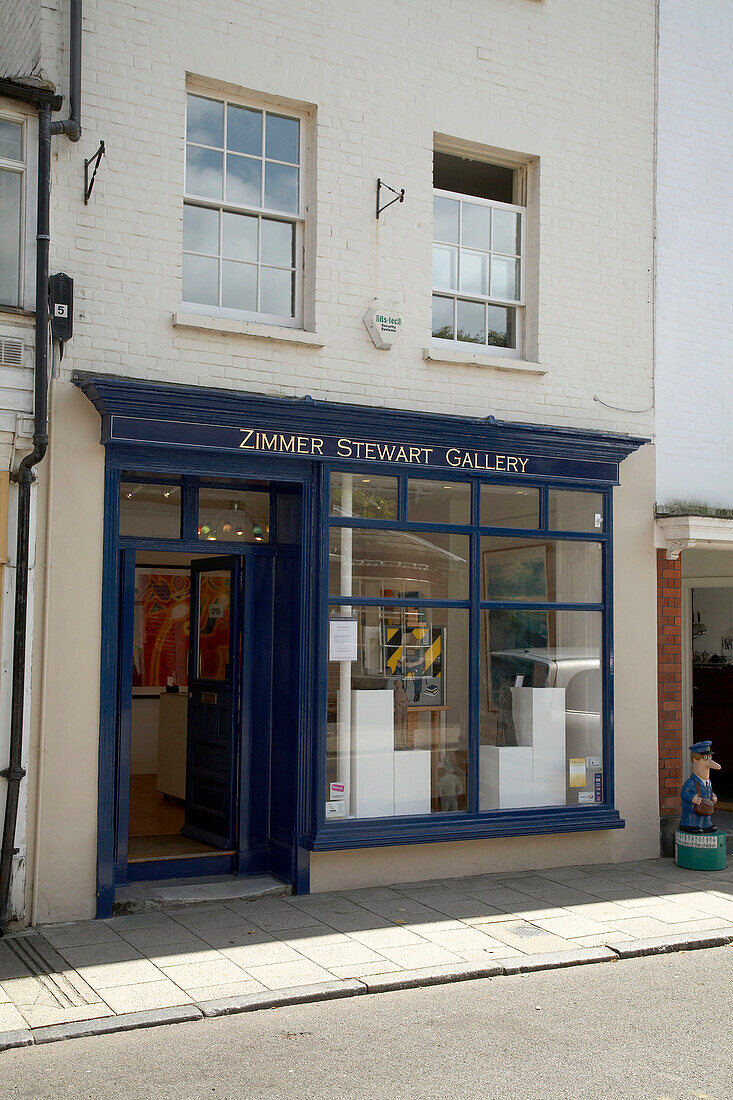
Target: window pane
{"points": [[475, 272], [414, 565], [438, 502], [201, 230], [504, 506], [366, 497], [281, 187], [150, 511], [276, 291], [239, 237], [553, 571], [213, 630], [277, 243], [203, 172], [282, 138], [476, 226], [541, 709], [501, 327], [244, 180], [200, 280], [504, 278], [233, 515], [11, 139], [397, 727], [244, 130], [443, 326], [239, 286], [506, 232], [445, 267], [205, 121], [445, 219], [471, 322], [10, 207], [570, 511]]}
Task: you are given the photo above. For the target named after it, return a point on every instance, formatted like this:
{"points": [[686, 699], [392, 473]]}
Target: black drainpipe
{"points": [[24, 476]]}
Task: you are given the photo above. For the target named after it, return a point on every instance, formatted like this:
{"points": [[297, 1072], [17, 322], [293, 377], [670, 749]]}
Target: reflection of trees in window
{"points": [[495, 338], [365, 504]]}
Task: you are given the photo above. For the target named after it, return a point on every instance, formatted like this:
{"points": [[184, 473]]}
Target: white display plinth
{"points": [[539, 721], [505, 777], [372, 749], [412, 781]]}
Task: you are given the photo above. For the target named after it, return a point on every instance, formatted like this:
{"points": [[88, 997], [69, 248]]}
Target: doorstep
{"points": [[172, 893]]}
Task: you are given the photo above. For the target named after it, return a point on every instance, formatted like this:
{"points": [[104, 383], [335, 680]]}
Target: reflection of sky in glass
{"points": [[201, 280], [244, 130], [205, 121], [203, 172], [445, 216], [282, 138], [239, 237], [281, 187], [500, 326], [200, 230], [471, 322], [504, 277], [244, 180], [10, 196], [276, 291], [11, 139], [277, 243], [474, 272], [445, 267], [476, 226], [239, 286], [506, 232], [443, 318]]}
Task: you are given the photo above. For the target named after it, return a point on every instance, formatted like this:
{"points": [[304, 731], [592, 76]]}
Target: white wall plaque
{"points": [[383, 325]]}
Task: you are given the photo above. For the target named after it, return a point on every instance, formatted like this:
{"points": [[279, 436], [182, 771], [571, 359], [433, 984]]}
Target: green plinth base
{"points": [[700, 851]]}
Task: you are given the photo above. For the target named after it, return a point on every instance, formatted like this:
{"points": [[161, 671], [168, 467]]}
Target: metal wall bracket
{"points": [[400, 196], [93, 161]]}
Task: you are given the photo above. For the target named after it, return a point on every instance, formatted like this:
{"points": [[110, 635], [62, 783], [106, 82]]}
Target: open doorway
{"points": [[712, 680]]}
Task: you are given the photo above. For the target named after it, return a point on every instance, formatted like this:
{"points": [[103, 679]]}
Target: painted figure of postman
{"points": [[698, 800]]}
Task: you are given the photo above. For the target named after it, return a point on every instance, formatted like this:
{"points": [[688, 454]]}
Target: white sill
{"points": [[481, 359], [248, 328]]}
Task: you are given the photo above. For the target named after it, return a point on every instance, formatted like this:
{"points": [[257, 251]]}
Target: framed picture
{"points": [[728, 643], [415, 656], [160, 628]]}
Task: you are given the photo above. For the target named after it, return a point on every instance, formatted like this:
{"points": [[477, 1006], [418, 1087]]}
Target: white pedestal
{"points": [[412, 781], [372, 749], [505, 777], [539, 720]]}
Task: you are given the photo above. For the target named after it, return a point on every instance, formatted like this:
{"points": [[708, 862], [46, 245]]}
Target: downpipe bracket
{"points": [[13, 775]]}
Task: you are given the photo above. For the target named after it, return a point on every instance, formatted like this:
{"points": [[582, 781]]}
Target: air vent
{"points": [[11, 352]]}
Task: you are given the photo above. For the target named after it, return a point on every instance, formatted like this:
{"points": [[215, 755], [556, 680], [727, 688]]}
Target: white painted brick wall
{"points": [[694, 327], [568, 82]]}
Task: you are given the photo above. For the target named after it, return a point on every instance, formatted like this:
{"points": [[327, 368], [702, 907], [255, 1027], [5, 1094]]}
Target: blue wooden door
{"points": [[215, 655]]}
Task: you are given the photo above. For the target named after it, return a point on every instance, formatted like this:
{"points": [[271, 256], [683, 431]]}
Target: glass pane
{"points": [[471, 322], [570, 511], [443, 325], [476, 226], [160, 630], [244, 130], [277, 243], [239, 237], [541, 711], [239, 286], [203, 172], [205, 121], [475, 272], [281, 187], [504, 278], [445, 267], [10, 206], [201, 230], [397, 727], [506, 232], [244, 180], [276, 291], [501, 327], [504, 506], [554, 571], [438, 502], [233, 515], [410, 565], [150, 511], [282, 138], [11, 139], [366, 497], [445, 218], [213, 632], [200, 280]]}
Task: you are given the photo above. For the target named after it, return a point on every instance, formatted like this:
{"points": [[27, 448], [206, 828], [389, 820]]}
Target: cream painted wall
{"points": [[635, 737]]}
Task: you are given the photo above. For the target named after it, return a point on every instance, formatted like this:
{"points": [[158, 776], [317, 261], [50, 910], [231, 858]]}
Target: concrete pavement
{"points": [[237, 955]]}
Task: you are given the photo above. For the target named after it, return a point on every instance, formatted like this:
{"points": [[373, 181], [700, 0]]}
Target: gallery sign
{"points": [[427, 453]]}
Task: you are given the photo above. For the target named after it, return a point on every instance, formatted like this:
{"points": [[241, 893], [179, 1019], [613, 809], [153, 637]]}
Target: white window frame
{"points": [[519, 304], [20, 167], [224, 206]]}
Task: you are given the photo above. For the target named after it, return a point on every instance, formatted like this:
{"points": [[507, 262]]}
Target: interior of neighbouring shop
{"points": [[712, 680]]}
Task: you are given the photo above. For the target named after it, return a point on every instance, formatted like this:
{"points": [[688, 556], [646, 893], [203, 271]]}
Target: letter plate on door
{"points": [[208, 697]]}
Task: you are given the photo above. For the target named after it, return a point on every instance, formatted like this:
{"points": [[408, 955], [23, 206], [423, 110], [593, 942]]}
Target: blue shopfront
{"points": [[336, 627]]}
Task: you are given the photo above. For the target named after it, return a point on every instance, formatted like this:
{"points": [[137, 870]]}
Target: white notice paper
{"points": [[342, 639]]}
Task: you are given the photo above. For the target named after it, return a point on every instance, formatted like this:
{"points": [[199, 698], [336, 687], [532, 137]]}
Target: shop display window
{"points": [[507, 506], [575, 511], [438, 502], [363, 496], [233, 515], [150, 509]]}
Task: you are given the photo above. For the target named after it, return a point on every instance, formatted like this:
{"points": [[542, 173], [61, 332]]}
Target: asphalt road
{"points": [[645, 1029]]}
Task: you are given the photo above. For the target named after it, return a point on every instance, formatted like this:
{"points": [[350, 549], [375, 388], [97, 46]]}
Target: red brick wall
{"points": [[669, 671]]}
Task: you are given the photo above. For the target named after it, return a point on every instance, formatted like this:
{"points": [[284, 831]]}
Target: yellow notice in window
{"points": [[577, 771]]}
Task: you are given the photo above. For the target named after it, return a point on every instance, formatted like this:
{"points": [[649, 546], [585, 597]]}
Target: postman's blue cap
{"points": [[702, 746]]}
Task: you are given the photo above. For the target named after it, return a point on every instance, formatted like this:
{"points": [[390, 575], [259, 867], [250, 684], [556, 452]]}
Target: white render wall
{"points": [[694, 327], [566, 82]]}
